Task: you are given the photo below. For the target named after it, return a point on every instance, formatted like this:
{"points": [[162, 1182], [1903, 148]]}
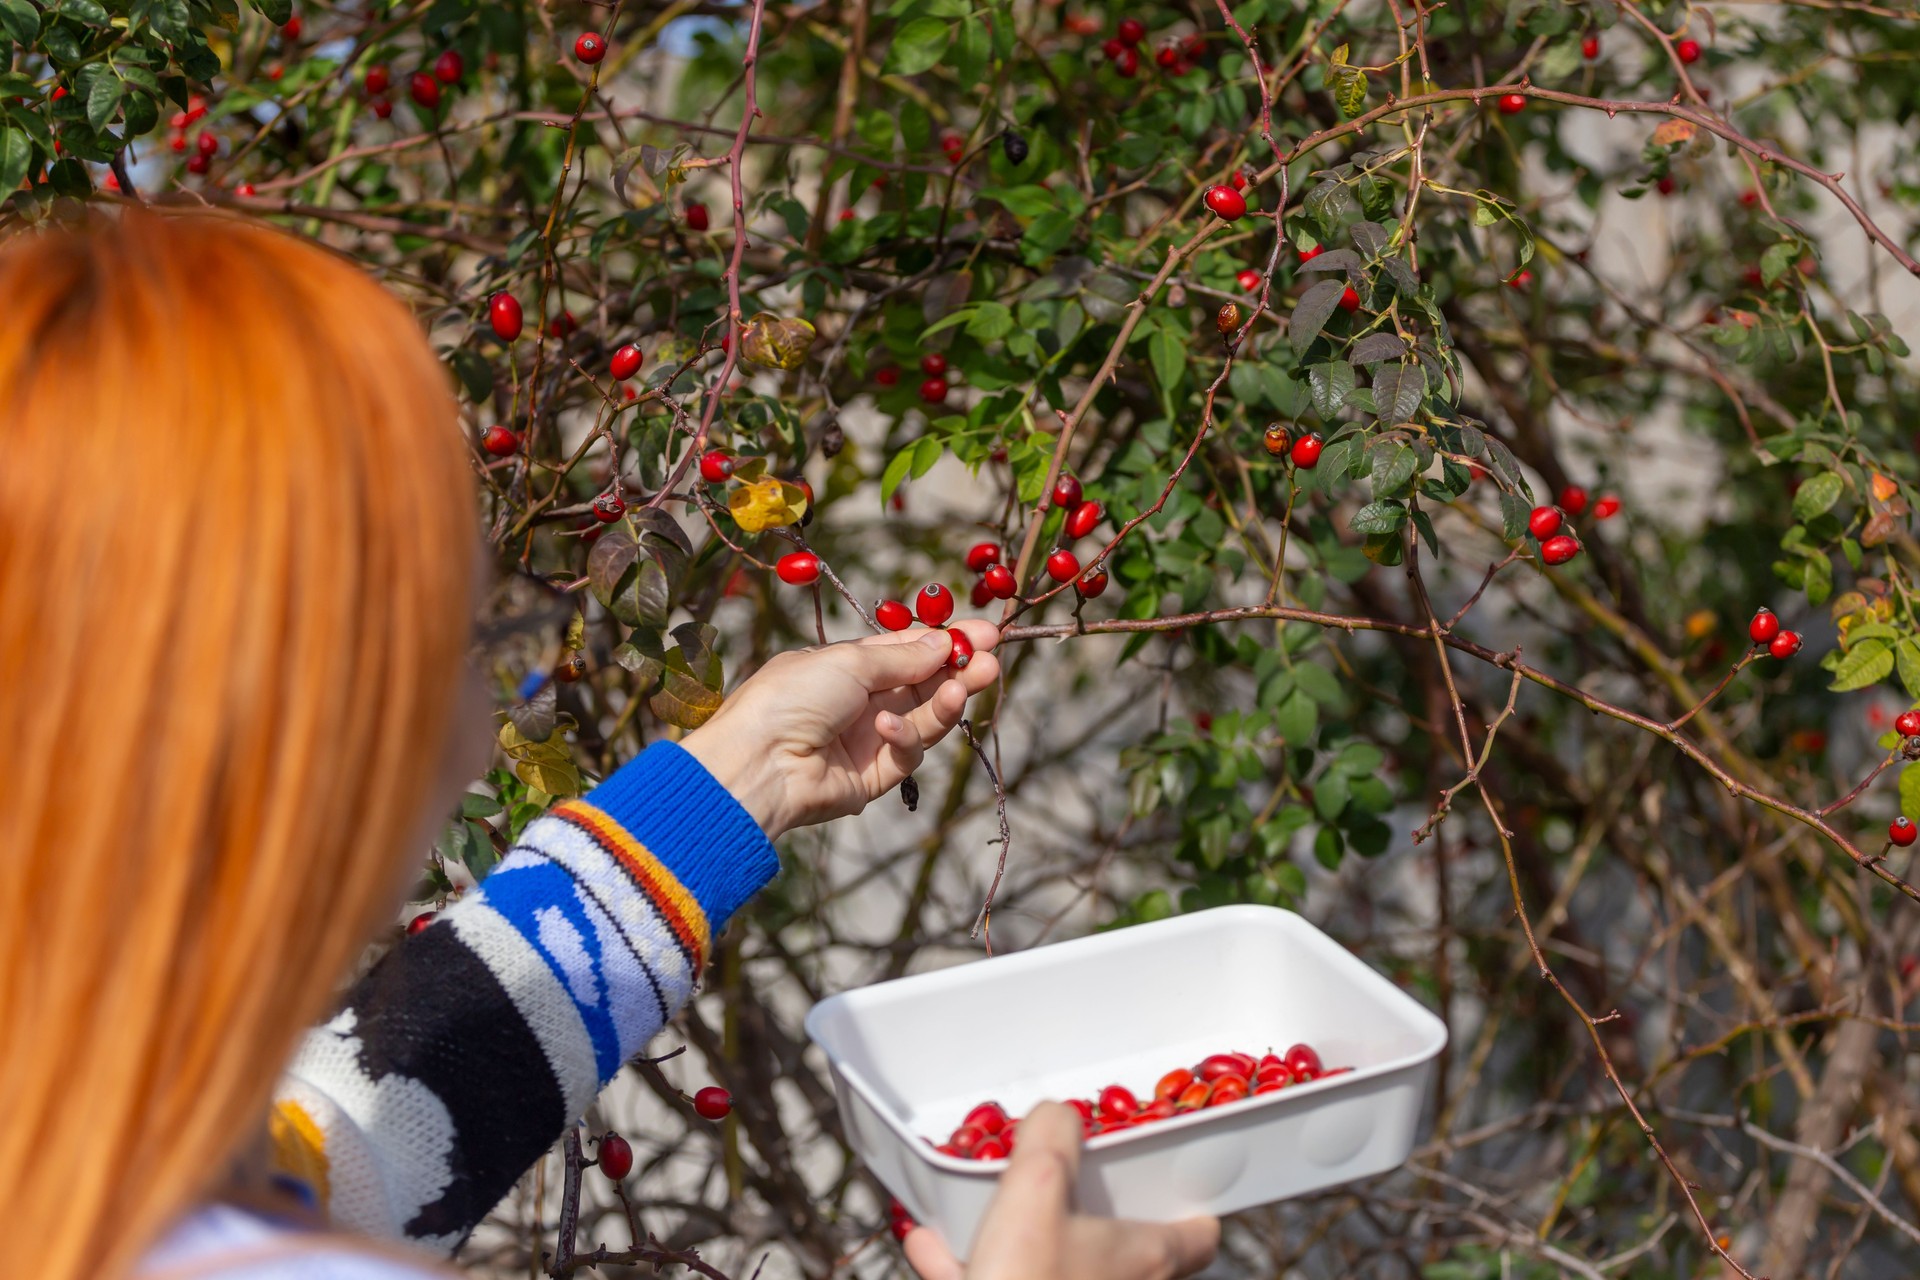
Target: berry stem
{"points": [[1718, 689]]}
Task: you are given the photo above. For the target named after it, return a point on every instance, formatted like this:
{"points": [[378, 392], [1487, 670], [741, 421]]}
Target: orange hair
{"points": [[236, 549]]}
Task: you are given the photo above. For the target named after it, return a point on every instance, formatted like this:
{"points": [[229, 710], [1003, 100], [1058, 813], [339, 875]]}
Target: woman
{"points": [[235, 706]]}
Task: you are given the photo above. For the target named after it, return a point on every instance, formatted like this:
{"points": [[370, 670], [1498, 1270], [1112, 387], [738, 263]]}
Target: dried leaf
{"points": [[1883, 487], [683, 700], [538, 716], [766, 503], [776, 342], [545, 765], [1673, 132]]}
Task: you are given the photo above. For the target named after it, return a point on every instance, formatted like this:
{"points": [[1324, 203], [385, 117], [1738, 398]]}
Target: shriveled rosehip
{"points": [[616, 1156], [377, 78], [1173, 1084], [449, 67], [696, 216], [934, 391], [1512, 104], [893, 615], [1784, 645], [1560, 548], [1310, 253], [1764, 625], [1902, 831], [933, 364], [1590, 48], [1307, 450], [1689, 51], [590, 47], [1907, 725], [1063, 565], [1014, 147], [1082, 519], [934, 605], [999, 582], [982, 554], [1544, 522], [887, 376], [626, 362], [1350, 300], [716, 465], [608, 507], [1278, 440], [504, 314], [501, 442], [798, 568], [1118, 1101], [962, 652], [1302, 1057], [1093, 583], [571, 669], [1573, 499], [1227, 318], [713, 1103], [424, 90], [1131, 31], [1066, 492], [1607, 507], [419, 922], [1248, 279], [1227, 204], [989, 1117]]}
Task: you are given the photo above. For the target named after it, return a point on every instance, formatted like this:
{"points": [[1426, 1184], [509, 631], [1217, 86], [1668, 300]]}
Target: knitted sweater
{"points": [[467, 1050]]}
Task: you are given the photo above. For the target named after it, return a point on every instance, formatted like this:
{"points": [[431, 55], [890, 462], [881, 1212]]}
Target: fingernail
{"points": [[889, 722]]}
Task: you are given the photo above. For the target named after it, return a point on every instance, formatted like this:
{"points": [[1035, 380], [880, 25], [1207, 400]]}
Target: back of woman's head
{"points": [[236, 544]]}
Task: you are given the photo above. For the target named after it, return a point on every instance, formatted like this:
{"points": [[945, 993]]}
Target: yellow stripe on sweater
{"points": [[300, 1148], [681, 909]]}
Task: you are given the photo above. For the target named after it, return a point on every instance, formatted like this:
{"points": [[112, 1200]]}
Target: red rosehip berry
{"points": [[934, 605], [798, 568], [1300, 1059], [1520, 279], [696, 216], [208, 143], [1063, 566], [989, 1117], [616, 1156], [1784, 645], [424, 90], [1560, 548], [1168, 59], [1902, 831], [899, 1221], [590, 47], [1131, 31], [1307, 450], [501, 442], [1239, 179], [1350, 300], [381, 108], [934, 391], [716, 465], [981, 595], [1764, 626], [504, 314], [197, 163], [1173, 1084], [1664, 185], [888, 376], [893, 615], [1573, 499], [1093, 583], [449, 67], [1248, 279], [1066, 492], [713, 1103], [1217, 1066], [999, 581], [1127, 63], [962, 652], [1608, 507], [419, 922], [1117, 1102], [995, 1148], [1590, 48], [1512, 104], [933, 364], [626, 362], [1228, 1089], [292, 29], [1907, 725], [562, 326], [377, 78], [608, 507], [1689, 51], [982, 554], [1544, 522], [178, 142], [1082, 519], [1227, 204], [1309, 254], [1112, 47], [245, 190]]}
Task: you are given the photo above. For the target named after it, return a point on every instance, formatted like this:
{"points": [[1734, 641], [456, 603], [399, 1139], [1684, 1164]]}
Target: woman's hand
{"points": [[1030, 1234], [817, 733]]}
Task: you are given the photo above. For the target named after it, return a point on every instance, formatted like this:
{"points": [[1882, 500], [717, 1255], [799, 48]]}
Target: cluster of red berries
{"points": [[996, 581], [1546, 525], [1765, 629], [953, 146], [205, 146], [933, 388], [1304, 451], [1122, 48], [377, 79], [988, 1133], [934, 608], [422, 86], [1082, 518]]}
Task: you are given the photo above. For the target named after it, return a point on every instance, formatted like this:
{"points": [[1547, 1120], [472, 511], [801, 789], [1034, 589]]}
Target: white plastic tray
{"points": [[912, 1056]]}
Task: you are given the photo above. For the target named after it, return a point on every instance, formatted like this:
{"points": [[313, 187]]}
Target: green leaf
{"points": [[1332, 383], [21, 21], [1393, 465], [1169, 357], [926, 452], [1910, 790], [16, 156], [918, 46], [1906, 656], [895, 473], [1818, 495], [1865, 664], [990, 321], [1398, 391], [1295, 719], [275, 11], [1311, 312], [1379, 517], [87, 12], [475, 373]]}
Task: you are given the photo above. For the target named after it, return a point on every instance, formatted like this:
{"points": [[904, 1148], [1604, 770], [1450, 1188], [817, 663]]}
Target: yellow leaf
{"points": [[683, 701], [547, 766], [1339, 58], [766, 503], [1672, 132], [1701, 623], [1883, 488], [577, 632], [775, 342]]}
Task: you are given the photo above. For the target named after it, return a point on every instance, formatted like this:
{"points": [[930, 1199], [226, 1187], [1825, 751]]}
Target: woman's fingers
{"points": [[928, 1255], [1116, 1250], [902, 743]]}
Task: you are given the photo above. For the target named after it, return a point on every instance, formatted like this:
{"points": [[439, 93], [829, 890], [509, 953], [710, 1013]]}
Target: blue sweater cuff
{"points": [[668, 802]]}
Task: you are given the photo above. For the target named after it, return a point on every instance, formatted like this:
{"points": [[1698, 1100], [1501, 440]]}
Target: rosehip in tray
{"points": [[1301, 1058], [1173, 1084], [989, 1117], [991, 1149], [934, 605], [1118, 1100], [1228, 1089], [1194, 1096]]}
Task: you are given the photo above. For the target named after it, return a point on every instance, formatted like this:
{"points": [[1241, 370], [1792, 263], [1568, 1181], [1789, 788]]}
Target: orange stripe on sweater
{"points": [[680, 909]]}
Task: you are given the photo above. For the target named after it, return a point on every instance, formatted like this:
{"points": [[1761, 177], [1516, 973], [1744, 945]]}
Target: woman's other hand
{"points": [[818, 733], [1030, 1233]]}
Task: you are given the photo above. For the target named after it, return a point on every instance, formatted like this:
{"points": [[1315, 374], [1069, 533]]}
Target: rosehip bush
{"points": [[1418, 592]]}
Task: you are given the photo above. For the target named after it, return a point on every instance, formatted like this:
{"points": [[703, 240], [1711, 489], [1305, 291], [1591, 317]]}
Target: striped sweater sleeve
{"points": [[470, 1046]]}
